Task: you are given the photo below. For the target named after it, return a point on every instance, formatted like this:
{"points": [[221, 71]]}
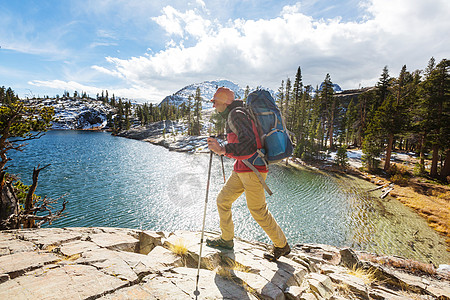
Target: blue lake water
{"points": [[117, 182]]}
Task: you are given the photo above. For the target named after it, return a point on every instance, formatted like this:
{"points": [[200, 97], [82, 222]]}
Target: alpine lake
{"points": [[117, 182]]}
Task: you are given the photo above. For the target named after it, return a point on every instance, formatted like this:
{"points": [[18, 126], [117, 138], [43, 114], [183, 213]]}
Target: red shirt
{"points": [[244, 144]]}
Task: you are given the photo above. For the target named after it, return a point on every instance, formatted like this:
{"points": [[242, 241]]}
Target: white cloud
{"points": [[265, 51], [177, 23], [290, 9]]}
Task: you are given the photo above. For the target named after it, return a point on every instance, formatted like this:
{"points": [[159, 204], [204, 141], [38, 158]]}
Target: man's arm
{"points": [[246, 141]]}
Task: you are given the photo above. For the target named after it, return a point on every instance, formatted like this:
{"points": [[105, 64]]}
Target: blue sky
{"points": [[145, 50]]}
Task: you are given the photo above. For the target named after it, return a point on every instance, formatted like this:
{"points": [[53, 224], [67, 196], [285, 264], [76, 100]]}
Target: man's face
{"points": [[219, 104]]}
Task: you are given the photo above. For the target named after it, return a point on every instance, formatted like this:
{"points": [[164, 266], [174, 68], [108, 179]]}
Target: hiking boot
{"points": [[277, 252], [220, 243]]}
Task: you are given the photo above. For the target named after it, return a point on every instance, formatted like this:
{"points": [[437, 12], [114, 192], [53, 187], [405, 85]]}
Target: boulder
{"points": [[349, 258], [149, 240], [321, 285]]}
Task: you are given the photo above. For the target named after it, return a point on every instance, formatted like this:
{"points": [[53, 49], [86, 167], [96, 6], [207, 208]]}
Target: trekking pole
{"points": [[223, 169], [221, 159], [197, 292]]}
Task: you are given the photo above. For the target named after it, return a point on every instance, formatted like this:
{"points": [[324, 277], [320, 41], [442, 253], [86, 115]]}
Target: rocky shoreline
{"points": [[116, 263]]}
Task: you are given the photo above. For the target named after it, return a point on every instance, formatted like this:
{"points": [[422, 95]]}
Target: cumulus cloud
{"points": [[175, 22], [265, 51]]}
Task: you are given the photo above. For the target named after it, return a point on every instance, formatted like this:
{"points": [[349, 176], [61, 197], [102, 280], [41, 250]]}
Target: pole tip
{"points": [[196, 292]]}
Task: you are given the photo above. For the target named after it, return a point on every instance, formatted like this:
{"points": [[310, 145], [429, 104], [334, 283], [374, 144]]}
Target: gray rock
{"points": [[110, 263], [383, 293], [148, 240], [11, 246], [45, 237], [321, 285], [308, 296], [355, 284], [4, 277], [349, 258], [211, 285], [116, 241], [16, 264], [294, 292], [139, 263], [165, 258], [68, 282], [77, 247]]}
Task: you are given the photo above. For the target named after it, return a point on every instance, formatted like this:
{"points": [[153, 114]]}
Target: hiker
{"points": [[240, 146]]}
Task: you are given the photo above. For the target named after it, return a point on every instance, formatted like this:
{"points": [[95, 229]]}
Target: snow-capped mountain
{"points": [[207, 90], [336, 87], [75, 113]]}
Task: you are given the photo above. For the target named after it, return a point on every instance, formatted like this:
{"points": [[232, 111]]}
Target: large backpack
{"points": [[272, 131]]}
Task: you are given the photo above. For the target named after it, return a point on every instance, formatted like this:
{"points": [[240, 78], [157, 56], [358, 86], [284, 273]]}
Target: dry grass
{"points": [[72, 257], [344, 290], [367, 275], [409, 295], [179, 247], [435, 208], [399, 179], [51, 248]]}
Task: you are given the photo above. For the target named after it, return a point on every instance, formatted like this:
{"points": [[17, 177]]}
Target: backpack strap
{"points": [[245, 161], [258, 174]]}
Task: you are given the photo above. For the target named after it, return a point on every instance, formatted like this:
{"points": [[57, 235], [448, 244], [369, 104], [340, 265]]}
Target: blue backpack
{"points": [[271, 127], [272, 131]]}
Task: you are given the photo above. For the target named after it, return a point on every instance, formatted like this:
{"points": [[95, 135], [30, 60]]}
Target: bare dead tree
{"points": [[36, 211], [29, 201], [28, 218]]}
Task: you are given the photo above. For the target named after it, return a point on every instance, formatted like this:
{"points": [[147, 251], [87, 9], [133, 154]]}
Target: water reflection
{"points": [[119, 182]]}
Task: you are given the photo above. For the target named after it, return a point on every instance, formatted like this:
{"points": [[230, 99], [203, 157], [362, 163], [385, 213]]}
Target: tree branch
{"points": [[29, 200], [32, 137]]}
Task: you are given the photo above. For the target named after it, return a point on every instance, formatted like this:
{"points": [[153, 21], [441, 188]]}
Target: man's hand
{"points": [[215, 147]]}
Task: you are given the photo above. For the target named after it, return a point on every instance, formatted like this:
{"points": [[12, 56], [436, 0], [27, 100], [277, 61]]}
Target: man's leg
{"points": [[256, 203], [232, 189]]}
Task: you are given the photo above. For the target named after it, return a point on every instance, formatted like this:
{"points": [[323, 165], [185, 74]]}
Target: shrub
{"points": [[398, 169], [399, 179], [179, 247], [419, 170], [341, 157]]}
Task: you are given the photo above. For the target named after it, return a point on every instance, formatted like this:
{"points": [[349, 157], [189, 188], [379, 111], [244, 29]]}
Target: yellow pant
{"points": [[247, 182]]}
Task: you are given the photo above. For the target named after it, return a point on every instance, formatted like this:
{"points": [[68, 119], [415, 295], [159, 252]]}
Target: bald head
{"points": [[223, 95]]}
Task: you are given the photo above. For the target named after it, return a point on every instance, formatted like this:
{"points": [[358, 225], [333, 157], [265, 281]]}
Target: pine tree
{"points": [[197, 111], [383, 85], [22, 121], [351, 117], [246, 92], [280, 96], [329, 105], [436, 93], [189, 112], [287, 101], [298, 108]]}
